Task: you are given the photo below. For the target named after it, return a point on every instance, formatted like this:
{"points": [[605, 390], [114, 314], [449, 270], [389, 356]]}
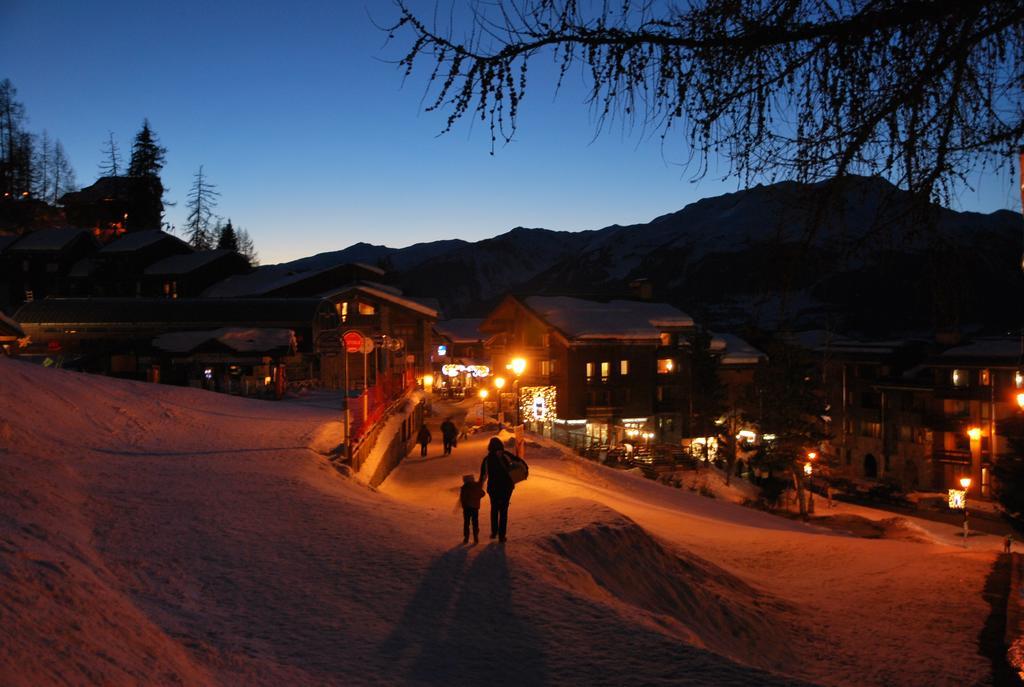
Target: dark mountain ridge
{"points": [[856, 255]]}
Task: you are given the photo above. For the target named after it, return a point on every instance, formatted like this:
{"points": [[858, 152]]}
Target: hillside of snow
{"points": [[159, 535]]}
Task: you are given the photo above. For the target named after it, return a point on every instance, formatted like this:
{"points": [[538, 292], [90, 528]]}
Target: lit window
{"points": [[666, 339], [366, 309], [959, 378], [985, 377], [590, 371], [666, 366], [605, 370], [343, 311], [623, 367], [545, 368]]}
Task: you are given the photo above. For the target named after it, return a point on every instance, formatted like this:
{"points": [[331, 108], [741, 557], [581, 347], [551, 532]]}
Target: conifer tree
{"points": [[43, 165], [63, 176], [147, 155], [227, 239], [202, 199]]}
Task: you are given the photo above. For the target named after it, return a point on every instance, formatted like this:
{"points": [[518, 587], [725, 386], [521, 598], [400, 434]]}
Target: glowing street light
{"points": [[518, 366], [965, 482], [1020, 400], [974, 433], [499, 383], [483, 400]]}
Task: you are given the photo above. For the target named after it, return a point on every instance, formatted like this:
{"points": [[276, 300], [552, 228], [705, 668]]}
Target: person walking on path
{"points": [[469, 496], [448, 434], [423, 438], [494, 473]]}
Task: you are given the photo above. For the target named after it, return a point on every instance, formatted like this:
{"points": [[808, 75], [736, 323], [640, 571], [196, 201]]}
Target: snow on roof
{"points": [[251, 340], [260, 281], [387, 296], [1006, 347], [9, 327], [461, 330], [736, 350], [182, 264], [48, 239], [136, 240], [581, 319]]}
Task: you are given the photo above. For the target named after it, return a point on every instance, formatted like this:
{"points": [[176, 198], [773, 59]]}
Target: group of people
{"points": [[494, 480], [449, 436], [494, 474]]}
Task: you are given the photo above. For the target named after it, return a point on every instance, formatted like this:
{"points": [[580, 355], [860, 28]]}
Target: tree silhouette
{"points": [[202, 199], [110, 162], [227, 239], [921, 92]]}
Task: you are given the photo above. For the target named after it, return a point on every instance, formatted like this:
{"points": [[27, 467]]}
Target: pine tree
{"points": [[110, 163], [147, 155], [227, 239], [790, 409], [202, 199]]}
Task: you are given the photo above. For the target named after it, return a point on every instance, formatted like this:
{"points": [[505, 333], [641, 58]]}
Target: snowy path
{"points": [[154, 535]]}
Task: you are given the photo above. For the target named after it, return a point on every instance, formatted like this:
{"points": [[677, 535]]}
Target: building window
{"points": [[871, 429], [29, 295], [623, 367], [554, 366], [985, 378], [545, 368], [343, 311], [958, 378], [590, 371], [605, 370], [666, 339], [367, 309], [666, 366]]}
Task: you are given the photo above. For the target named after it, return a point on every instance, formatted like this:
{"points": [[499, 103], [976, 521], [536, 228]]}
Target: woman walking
{"points": [[494, 473]]}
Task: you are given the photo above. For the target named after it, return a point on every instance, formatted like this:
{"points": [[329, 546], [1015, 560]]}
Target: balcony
{"points": [[950, 455], [602, 412]]}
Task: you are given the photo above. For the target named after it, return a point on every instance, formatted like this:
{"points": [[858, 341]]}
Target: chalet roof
{"points": [[197, 311], [581, 319], [385, 295], [137, 240], [735, 351], [269, 278], [48, 239], [1006, 350], [6, 240], [108, 188], [242, 340], [461, 330], [183, 264], [8, 327]]}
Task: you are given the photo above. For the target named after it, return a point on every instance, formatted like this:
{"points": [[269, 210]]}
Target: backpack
{"points": [[516, 468]]}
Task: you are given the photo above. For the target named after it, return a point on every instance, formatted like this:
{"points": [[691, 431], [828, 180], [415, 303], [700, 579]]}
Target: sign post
{"points": [[351, 342]]}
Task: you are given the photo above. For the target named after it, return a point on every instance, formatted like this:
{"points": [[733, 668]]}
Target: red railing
{"points": [[369, 406]]}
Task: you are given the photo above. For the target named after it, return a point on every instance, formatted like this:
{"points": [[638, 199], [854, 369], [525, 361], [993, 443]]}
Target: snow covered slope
{"points": [[157, 535]]}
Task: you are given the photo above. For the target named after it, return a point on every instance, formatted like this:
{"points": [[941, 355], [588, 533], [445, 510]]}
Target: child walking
{"points": [[469, 497]]}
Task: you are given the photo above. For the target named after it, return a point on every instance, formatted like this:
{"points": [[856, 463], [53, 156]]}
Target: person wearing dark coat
{"points": [[469, 496], [423, 438], [448, 433], [494, 473]]}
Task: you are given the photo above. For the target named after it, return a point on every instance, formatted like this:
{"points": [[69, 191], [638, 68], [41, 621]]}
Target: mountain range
{"points": [[856, 255]]}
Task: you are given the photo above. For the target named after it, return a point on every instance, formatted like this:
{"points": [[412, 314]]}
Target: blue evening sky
{"points": [[312, 138]]}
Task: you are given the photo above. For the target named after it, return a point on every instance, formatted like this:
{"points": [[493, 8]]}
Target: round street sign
{"points": [[352, 341], [367, 346]]}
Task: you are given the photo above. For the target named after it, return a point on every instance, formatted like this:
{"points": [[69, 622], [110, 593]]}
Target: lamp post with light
{"points": [[499, 384], [809, 472], [518, 366], [965, 482], [483, 400]]}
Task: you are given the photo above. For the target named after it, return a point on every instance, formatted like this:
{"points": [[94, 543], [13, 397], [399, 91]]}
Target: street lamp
{"points": [[483, 399], [499, 384], [518, 366], [965, 482], [809, 472]]}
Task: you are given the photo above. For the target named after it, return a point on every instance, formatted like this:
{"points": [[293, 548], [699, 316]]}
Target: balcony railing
{"points": [[952, 455]]}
